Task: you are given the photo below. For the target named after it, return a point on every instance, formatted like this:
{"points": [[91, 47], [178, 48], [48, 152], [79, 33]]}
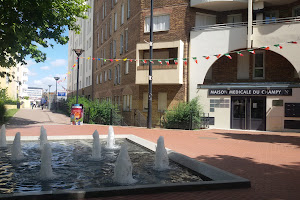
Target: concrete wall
{"points": [[211, 42]]}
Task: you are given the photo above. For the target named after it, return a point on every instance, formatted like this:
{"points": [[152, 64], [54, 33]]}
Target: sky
{"points": [[42, 74]]}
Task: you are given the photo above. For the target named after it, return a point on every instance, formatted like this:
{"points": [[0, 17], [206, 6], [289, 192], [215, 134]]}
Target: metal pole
{"points": [[56, 97], [77, 79], [149, 125], [49, 103]]}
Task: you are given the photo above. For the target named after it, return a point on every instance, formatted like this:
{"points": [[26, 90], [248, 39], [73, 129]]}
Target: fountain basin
{"points": [[214, 178]]}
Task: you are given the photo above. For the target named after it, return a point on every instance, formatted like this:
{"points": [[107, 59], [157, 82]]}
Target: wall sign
{"points": [[251, 92]]}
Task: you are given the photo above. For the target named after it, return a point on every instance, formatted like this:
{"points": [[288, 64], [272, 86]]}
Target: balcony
{"points": [[162, 73], [220, 5]]}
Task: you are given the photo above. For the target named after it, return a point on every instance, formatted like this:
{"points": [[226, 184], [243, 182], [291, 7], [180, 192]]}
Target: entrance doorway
{"points": [[248, 113]]}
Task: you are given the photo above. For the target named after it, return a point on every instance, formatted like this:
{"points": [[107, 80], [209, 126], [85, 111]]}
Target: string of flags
{"points": [[175, 60]]}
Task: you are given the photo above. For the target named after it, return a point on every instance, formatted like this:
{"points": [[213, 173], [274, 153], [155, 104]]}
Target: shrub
{"points": [[101, 112], [81, 100], [2, 110], [184, 115]]}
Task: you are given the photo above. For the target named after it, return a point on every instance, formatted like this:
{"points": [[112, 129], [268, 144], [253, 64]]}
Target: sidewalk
{"points": [[269, 160]]}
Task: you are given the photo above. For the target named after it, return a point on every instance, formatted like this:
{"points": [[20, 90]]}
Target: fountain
{"points": [[161, 156], [16, 151], [43, 137], [123, 168], [111, 139], [3, 137], [96, 151], [46, 162]]}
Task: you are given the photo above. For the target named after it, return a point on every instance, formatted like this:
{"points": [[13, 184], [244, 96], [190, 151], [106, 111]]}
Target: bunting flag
{"points": [[145, 61], [99, 59], [218, 55], [160, 62], [265, 48], [168, 62], [240, 53], [111, 60], [125, 59], [151, 61], [293, 42], [185, 61], [251, 51], [176, 61], [117, 60], [278, 46], [104, 59], [93, 58], [89, 58], [195, 59], [228, 55], [206, 57], [130, 60]]}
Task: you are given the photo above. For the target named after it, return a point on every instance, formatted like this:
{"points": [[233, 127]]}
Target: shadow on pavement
{"points": [[16, 121], [293, 140], [267, 181]]}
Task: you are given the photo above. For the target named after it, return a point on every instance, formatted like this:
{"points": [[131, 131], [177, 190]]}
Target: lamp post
{"points": [[56, 78], [78, 53], [149, 124], [49, 97]]}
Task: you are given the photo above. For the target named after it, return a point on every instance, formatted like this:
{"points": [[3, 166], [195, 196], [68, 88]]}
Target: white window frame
{"points": [[109, 74], [110, 26], [105, 75], [263, 67], [114, 49], [100, 78], [121, 44], [147, 24], [126, 40]]}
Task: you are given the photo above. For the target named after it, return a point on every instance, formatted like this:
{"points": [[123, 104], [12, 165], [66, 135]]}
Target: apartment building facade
{"points": [[121, 49], [17, 85], [247, 75], [84, 41]]}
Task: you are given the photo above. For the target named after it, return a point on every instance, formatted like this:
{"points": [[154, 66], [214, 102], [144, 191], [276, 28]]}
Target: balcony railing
{"points": [[277, 21], [288, 20]]}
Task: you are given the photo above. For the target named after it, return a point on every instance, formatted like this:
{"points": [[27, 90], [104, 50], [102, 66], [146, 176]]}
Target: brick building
{"points": [[258, 91], [121, 32]]}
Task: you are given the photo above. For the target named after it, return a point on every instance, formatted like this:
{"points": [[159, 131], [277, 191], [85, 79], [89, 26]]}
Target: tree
{"points": [[25, 24]]}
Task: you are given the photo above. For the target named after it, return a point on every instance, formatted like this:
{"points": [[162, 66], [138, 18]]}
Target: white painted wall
{"points": [[211, 42]]}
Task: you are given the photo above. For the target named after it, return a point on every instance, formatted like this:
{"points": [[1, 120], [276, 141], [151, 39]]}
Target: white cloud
{"points": [[49, 80], [31, 73], [59, 62], [45, 68], [30, 62]]}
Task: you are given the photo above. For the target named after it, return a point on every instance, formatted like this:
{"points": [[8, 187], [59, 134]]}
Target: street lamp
{"points": [[56, 78], [149, 124], [49, 97], [78, 53]]}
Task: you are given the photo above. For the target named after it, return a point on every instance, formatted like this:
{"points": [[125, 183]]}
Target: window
{"points": [[145, 101], [126, 67], [109, 74], [105, 8], [103, 12], [105, 31], [296, 11], [259, 68], [98, 39], [87, 64], [162, 101], [103, 56], [126, 40], [114, 49], [7, 79], [116, 21], [100, 77], [86, 81], [117, 75], [90, 42], [110, 26], [102, 36], [98, 16], [112, 4], [97, 80], [234, 18], [122, 14], [89, 80], [128, 8], [205, 19], [121, 44], [111, 49], [105, 76], [127, 102], [271, 16], [160, 23]]}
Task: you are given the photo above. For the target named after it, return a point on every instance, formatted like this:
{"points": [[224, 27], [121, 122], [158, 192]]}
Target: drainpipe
{"points": [[250, 21]]}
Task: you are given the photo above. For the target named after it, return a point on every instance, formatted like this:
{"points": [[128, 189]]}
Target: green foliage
{"points": [[2, 111], [27, 24], [27, 98], [184, 115], [3, 94], [99, 112]]}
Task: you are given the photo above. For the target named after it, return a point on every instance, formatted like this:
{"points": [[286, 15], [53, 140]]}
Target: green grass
{"points": [[9, 114]]}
